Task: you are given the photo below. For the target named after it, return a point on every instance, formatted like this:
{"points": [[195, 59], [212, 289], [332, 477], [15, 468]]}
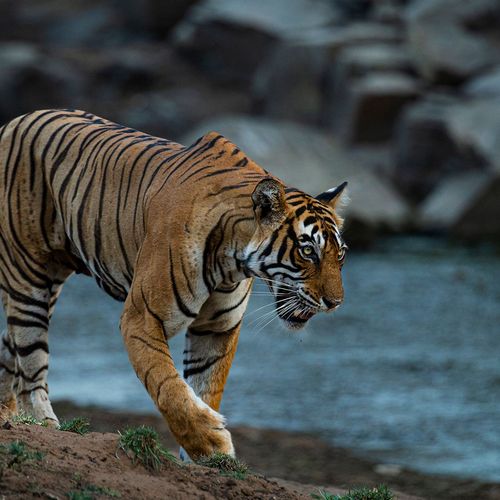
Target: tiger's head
{"points": [[298, 250]]}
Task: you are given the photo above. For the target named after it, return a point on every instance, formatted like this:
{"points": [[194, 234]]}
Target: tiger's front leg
{"points": [[211, 344], [152, 314]]}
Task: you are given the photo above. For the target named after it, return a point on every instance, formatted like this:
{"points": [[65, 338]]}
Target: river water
{"points": [[407, 371]]}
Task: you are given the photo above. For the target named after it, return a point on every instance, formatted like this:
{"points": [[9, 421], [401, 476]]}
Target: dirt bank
{"points": [[73, 463]]}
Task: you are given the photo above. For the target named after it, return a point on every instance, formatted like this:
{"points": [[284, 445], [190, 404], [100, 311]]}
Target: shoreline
{"points": [[300, 457]]}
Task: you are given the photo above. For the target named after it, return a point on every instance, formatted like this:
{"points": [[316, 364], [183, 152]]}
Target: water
{"points": [[407, 371]]}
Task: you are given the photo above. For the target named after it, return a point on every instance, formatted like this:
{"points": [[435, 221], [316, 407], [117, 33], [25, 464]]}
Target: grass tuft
{"points": [[90, 491], [379, 493], [17, 453], [226, 464], [26, 419], [143, 443], [78, 425], [87, 491]]}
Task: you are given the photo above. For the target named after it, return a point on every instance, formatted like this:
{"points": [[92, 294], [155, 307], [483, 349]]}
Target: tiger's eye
{"points": [[307, 250]]}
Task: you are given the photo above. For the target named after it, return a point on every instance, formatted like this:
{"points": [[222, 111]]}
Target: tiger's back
{"points": [[54, 161]]}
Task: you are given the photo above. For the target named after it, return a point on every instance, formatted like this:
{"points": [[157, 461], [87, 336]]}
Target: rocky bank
{"points": [[400, 97]]}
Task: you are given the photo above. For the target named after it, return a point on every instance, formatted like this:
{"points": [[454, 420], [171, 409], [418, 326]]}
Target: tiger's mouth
{"points": [[292, 310]]}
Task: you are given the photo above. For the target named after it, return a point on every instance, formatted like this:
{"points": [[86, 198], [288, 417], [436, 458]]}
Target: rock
{"points": [[154, 17], [171, 112], [230, 38], [425, 153], [90, 23], [465, 206], [30, 79], [476, 125], [227, 52], [484, 85], [288, 85], [365, 109], [388, 11], [299, 76], [445, 48], [336, 38], [280, 18], [358, 59], [312, 161]]}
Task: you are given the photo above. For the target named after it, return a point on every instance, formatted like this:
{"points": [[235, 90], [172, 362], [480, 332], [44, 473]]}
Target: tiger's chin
{"points": [[297, 321], [297, 318]]}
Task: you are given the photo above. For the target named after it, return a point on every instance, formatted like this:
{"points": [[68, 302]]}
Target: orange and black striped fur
{"points": [[176, 232]]}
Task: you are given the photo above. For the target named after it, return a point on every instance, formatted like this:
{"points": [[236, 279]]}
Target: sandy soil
{"points": [[303, 462]]}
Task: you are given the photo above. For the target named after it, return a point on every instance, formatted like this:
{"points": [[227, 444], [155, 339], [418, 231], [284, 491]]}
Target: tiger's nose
{"points": [[331, 304]]}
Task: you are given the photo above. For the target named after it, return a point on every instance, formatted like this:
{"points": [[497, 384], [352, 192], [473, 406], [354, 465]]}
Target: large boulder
{"points": [[297, 80], [336, 38], [154, 17], [466, 206], [229, 39], [365, 109], [172, 112], [484, 85], [31, 79], [90, 23], [365, 88], [450, 40], [288, 85], [312, 161], [425, 152], [476, 125]]}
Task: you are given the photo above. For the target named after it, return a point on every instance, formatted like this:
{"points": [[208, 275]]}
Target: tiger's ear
{"points": [[334, 197], [269, 202]]}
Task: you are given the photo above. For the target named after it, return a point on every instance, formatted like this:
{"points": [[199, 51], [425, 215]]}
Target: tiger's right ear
{"points": [[269, 202]]}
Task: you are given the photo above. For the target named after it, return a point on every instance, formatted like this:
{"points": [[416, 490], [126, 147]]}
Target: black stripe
{"points": [[229, 188], [218, 314], [145, 342], [6, 343], [191, 361], [7, 369], [242, 163], [29, 349], [168, 377], [308, 220], [29, 391], [200, 369], [183, 307], [203, 333], [42, 317], [35, 375], [15, 321]]}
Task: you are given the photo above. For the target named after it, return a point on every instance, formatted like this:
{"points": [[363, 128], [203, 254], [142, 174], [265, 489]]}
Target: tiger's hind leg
{"points": [[27, 323], [28, 307], [8, 369], [8, 406], [211, 344], [32, 362]]}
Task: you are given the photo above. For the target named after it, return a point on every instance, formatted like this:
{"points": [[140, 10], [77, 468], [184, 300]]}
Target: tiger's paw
{"points": [[38, 405], [208, 435]]}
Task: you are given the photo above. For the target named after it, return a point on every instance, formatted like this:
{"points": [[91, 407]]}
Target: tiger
{"points": [[178, 233]]}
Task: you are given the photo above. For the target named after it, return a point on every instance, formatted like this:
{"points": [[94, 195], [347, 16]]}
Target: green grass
{"points": [[144, 446], [379, 493], [26, 419], [87, 491], [17, 453], [79, 425], [226, 464], [90, 491]]}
